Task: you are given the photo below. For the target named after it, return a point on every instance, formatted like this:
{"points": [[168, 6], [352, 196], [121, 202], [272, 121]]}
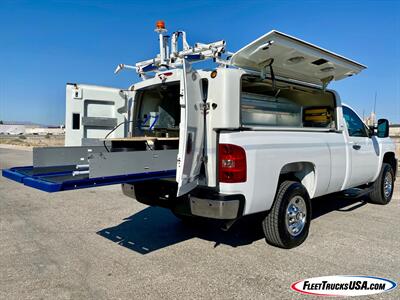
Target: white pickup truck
{"points": [[259, 133]]}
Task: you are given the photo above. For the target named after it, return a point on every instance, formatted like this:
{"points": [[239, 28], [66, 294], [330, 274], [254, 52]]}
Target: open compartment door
{"points": [[93, 111], [294, 59], [191, 131]]}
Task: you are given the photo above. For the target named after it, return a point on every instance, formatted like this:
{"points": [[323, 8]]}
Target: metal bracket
{"points": [[199, 52], [268, 64], [325, 81], [77, 92]]}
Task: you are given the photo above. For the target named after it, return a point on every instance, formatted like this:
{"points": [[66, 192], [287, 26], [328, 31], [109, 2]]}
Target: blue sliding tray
{"points": [[60, 178]]}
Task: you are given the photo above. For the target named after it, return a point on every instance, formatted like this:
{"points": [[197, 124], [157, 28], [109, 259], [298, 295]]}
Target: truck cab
{"points": [[260, 133]]}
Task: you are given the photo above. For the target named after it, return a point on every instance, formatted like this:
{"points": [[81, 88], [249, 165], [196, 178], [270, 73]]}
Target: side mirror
{"points": [[383, 128]]}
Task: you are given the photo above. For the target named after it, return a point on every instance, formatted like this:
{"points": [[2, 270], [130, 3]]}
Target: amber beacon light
{"points": [[160, 25]]}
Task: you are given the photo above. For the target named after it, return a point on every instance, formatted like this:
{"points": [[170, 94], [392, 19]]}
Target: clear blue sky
{"points": [[45, 44]]}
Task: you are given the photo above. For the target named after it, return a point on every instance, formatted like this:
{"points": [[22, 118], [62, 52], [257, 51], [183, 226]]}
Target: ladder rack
{"points": [[167, 59]]}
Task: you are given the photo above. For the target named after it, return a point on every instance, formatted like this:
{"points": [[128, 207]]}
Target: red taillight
{"points": [[232, 163]]}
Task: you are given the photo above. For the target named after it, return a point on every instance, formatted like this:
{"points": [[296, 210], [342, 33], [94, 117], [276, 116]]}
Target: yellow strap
{"points": [[317, 118]]}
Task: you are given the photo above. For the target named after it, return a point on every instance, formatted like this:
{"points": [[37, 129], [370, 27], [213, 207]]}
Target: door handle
{"points": [[356, 147]]}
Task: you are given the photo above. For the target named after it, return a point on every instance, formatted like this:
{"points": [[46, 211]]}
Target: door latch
{"points": [[206, 106]]}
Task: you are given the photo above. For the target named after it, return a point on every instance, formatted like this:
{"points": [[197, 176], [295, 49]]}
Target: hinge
{"points": [[325, 81], [268, 64], [77, 92]]}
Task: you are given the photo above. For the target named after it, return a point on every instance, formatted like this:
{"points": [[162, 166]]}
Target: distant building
{"points": [[31, 129], [45, 130], [371, 119], [394, 130], [12, 129]]}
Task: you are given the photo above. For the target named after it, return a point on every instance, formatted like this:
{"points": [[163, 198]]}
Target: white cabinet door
{"points": [[93, 111], [295, 59], [191, 131]]}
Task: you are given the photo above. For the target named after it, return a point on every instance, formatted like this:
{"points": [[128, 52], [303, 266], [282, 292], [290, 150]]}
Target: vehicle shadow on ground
{"points": [[155, 228], [336, 202]]}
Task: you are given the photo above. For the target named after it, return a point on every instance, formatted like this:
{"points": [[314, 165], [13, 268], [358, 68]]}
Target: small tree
{"points": [[1, 122]]}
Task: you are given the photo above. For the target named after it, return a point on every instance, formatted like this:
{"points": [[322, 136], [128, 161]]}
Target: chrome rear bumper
{"points": [[216, 206], [215, 209]]}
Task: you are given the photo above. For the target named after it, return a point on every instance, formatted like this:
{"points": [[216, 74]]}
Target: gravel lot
{"points": [[98, 244]]}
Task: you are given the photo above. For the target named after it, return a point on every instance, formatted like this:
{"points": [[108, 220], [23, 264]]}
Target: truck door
{"points": [[93, 111], [191, 131], [363, 150]]}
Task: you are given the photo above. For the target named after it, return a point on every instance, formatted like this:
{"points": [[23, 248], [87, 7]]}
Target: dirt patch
{"points": [[33, 141]]}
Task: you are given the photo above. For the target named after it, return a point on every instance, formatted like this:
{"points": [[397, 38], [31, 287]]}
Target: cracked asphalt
{"points": [[99, 244]]}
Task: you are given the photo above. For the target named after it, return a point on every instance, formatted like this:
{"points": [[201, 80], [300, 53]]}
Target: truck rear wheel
{"points": [[288, 221], [382, 189]]}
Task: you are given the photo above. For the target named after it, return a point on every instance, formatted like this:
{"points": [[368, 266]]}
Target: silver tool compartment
{"points": [[264, 110]]}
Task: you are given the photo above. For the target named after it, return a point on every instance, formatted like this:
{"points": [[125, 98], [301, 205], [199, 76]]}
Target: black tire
{"points": [[378, 195], [274, 225]]}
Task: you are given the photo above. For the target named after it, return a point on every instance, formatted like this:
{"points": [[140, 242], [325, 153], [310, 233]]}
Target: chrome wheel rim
{"points": [[296, 215], [387, 185]]}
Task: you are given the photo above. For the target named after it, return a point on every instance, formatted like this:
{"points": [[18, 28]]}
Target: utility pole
{"points": [[374, 111]]}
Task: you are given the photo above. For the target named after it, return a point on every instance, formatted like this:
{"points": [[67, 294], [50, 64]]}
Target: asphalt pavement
{"points": [[98, 244]]}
